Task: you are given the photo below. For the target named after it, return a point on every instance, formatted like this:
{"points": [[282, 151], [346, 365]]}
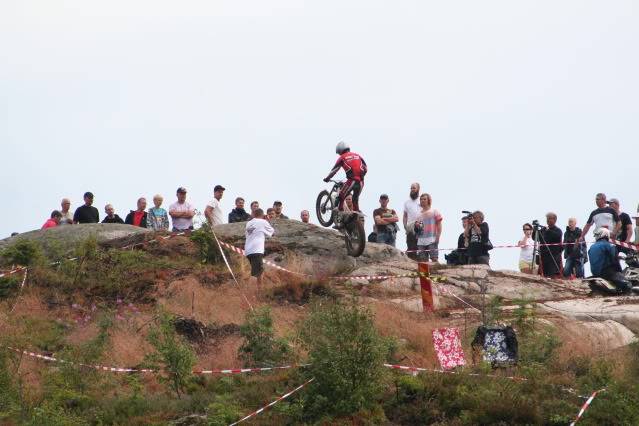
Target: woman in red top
{"points": [[53, 221]]}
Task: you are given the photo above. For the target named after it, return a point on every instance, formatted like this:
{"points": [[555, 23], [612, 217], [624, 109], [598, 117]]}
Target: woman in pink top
{"points": [[53, 221]]}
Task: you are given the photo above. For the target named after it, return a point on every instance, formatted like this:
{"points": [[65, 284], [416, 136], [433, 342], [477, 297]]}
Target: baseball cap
{"points": [[219, 188], [277, 203], [181, 190], [613, 200], [383, 197], [88, 195]]}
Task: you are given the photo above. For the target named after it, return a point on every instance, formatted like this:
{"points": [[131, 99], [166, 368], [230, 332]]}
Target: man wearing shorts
{"points": [[257, 230]]}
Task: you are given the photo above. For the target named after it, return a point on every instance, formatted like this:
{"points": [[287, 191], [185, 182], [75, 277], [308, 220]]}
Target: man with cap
{"points": [[181, 212], [86, 213], [277, 206], [385, 222], [213, 211], [604, 262], [625, 230]]}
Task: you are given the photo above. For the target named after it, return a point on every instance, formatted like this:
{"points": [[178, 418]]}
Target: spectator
{"points": [[348, 203], [238, 214], [636, 218], [459, 255], [111, 217], [181, 212], [305, 216], [86, 213], [257, 230], [385, 222], [477, 234], [157, 218], [428, 229], [13, 234], [604, 262], [53, 221], [412, 210], [602, 217], [277, 206], [624, 234], [526, 256], [67, 216], [254, 206], [270, 214], [550, 248], [574, 252], [213, 211], [139, 216]]}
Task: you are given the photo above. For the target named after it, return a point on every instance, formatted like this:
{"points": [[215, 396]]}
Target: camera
{"points": [[537, 226]]}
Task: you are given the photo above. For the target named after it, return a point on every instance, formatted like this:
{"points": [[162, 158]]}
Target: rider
{"points": [[604, 262], [355, 168]]}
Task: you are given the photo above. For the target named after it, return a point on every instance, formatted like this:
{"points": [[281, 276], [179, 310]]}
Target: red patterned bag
{"points": [[448, 348]]}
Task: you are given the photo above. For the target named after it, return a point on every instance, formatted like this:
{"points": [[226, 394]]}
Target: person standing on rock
{"points": [[603, 216], [412, 209], [277, 207], [625, 228], [86, 213], [385, 222], [550, 250], [254, 206], [238, 214], [257, 230], [305, 216], [53, 221], [139, 216], [157, 218], [526, 255], [181, 212], [111, 217], [428, 230], [575, 253], [67, 216], [213, 211]]}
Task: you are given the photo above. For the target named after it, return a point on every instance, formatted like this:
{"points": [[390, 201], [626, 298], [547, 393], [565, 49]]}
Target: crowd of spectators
{"points": [[544, 249]]}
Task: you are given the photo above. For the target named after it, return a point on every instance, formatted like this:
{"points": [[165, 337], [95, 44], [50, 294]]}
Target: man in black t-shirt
{"points": [[603, 216], [625, 230], [86, 213]]}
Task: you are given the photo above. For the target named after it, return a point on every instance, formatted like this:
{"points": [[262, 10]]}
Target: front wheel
{"points": [[324, 209], [355, 237]]}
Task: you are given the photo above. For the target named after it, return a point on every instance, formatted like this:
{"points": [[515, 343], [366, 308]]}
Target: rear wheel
{"points": [[324, 209], [355, 237]]}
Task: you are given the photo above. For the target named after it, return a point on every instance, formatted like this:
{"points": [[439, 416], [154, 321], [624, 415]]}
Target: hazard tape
{"points": [[281, 398], [631, 246], [586, 406], [50, 358], [429, 370], [14, 271]]}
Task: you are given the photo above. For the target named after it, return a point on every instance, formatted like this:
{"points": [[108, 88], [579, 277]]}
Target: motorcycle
{"points": [[351, 223]]}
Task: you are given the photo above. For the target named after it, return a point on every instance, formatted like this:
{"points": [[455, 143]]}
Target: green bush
{"points": [[260, 347], [346, 356], [209, 252], [173, 355], [23, 253], [223, 411]]}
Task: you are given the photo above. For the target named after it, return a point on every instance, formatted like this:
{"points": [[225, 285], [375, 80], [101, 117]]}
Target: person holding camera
{"points": [[428, 229], [527, 254], [477, 235], [550, 239]]}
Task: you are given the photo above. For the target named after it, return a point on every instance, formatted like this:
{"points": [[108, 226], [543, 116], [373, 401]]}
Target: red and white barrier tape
{"points": [[429, 370], [50, 358], [281, 398], [586, 406], [616, 242], [14, 271]]}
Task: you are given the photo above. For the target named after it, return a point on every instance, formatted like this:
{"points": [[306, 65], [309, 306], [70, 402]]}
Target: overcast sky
{"points": [[514, 108]]}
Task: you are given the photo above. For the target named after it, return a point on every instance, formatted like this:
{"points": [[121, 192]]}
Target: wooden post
{"points": [[428, 298]]}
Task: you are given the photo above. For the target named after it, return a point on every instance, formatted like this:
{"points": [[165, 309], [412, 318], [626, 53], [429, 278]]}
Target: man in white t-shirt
{"points": [[257, 230], [412, 211], [181, 212], [213, 211]]}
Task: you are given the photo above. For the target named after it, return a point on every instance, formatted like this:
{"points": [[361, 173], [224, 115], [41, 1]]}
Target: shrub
{"points": [[173, 354], [223, 411], [346, 356], [23, 252], [207, 246], [260, 347]]}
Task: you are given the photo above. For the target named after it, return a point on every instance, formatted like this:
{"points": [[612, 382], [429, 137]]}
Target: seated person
{"points": [[604, 262], [53, 221], [111, 217]]}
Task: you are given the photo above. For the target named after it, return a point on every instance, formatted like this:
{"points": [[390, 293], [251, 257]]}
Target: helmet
{"points": [[341, 148], [601, 233]]}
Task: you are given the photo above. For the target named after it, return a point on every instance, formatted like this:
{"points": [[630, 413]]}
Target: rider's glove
{"points": [[327, 180]]}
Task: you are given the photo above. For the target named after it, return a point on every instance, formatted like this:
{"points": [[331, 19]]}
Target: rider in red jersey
{"points": [[355, 168]]}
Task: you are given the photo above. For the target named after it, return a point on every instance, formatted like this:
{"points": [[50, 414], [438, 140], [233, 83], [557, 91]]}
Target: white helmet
{"points": [[341, 148], [601, 233]]}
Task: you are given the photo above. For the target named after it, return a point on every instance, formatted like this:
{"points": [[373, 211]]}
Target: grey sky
{"points": [[514, 108]]}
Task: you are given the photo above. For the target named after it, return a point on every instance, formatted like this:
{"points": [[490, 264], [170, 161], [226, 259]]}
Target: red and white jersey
{"points": [[353, 164]]}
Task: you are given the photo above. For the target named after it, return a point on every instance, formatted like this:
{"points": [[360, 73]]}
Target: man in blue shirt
{"points": [[604, 262]]}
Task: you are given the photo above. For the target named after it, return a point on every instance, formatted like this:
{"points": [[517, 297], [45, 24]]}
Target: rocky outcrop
{"points": [[65, 239]]}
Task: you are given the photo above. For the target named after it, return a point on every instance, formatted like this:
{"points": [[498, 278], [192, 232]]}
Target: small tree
{"points": [[346, 355], [260, 347], [172, 353]]}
